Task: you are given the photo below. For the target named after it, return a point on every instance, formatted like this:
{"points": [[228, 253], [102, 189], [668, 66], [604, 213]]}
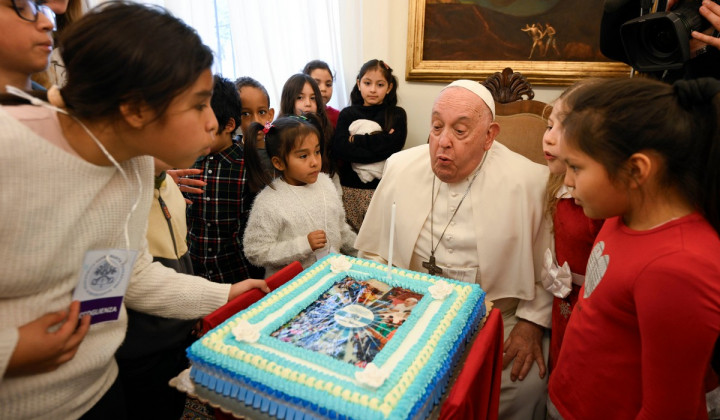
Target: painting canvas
{"points": [[551, 42]]}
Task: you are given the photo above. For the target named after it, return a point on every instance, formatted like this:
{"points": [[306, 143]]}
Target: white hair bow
{"points": [[556, 279]]}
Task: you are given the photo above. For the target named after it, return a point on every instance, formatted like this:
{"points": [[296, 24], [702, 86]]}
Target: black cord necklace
{"points": [[430, 265]]}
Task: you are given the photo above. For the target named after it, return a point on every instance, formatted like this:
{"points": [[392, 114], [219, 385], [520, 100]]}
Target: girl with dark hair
{"points": [[643, 154], [368, 132], [77, 177], [320, 71], [301, 95], [299, 216]]}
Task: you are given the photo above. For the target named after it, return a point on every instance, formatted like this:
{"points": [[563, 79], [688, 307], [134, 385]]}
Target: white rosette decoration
{"points": [[340, 264], [440, 290], [245, 331], [371, 376]]}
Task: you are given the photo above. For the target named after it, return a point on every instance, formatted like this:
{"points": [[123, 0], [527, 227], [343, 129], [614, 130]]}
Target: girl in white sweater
{"points": [[299, 216], [78, 177]]}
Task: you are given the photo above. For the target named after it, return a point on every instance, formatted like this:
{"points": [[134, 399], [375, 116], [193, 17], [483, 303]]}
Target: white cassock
{"points": [[497, 239]]}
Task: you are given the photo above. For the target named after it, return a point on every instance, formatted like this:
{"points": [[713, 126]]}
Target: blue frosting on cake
{"points": [[288, 381]]}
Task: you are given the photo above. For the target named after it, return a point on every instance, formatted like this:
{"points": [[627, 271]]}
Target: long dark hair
{"points": [[111, 59], [280, 139], [390, 100], [613, 119], [292, 88]]}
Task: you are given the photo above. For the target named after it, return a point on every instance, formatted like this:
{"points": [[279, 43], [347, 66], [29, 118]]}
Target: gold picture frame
{"points": [[537, 72]]}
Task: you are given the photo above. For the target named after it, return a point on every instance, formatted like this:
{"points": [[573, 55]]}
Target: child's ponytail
{"points": [[316, 120], [612, 119], [712, 182], [701, 98], [257, 178]]}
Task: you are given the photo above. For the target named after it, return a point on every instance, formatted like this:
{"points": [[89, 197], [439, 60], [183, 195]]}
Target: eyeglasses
{"points": [[28, 10]]}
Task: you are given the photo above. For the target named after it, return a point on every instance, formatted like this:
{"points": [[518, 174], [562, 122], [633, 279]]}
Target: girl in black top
{"points": [[360, 153]]}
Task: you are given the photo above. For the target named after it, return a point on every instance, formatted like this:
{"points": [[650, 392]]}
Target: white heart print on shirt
{"points": [[596, 268]]}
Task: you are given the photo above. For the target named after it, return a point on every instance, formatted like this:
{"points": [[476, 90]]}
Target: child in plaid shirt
{"points": [[217, 218]]}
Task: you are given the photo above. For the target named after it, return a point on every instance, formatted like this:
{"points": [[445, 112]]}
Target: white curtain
{"points": [[270, 40]]}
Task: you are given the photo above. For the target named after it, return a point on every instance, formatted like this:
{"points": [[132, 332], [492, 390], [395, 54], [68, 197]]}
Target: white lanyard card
{"points": [[104, 278]]}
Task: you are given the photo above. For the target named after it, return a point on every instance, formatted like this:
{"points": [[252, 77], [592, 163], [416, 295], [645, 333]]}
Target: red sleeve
{"points": [[679, 320]]}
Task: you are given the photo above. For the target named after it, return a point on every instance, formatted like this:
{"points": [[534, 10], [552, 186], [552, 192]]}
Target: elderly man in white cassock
{"points": [[470, 209]]}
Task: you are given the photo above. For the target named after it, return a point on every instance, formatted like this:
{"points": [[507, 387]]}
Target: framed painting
{"points": [[551, 42]]}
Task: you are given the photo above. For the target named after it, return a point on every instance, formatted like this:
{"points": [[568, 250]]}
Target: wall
{"points": [[384, 28]]}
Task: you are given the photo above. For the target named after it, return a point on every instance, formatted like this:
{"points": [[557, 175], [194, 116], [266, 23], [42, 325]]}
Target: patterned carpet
{"points": [[195, 410]]}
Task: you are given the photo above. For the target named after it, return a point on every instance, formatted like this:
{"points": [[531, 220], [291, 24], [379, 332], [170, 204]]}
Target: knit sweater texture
{"points": [[282, 217], [55, 207]]}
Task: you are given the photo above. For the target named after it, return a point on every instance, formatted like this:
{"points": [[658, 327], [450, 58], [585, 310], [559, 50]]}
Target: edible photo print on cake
{"points": [[352, 321]]}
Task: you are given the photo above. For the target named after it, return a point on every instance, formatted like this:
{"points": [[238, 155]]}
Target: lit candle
{"points": [[392, 236]]}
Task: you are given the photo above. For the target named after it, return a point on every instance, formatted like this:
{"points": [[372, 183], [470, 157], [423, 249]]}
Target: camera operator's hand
{"points": [[711, 11]]}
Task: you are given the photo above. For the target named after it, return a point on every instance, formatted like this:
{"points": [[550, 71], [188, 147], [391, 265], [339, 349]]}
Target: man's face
{"points": [[461, 132]]}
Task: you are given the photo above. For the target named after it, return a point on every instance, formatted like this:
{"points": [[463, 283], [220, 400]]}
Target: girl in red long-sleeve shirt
{"points": [[643, 155]]}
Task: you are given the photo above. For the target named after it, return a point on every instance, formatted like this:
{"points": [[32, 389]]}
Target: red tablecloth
{"points": [[474, 395], [248, 298], [476, 392]]}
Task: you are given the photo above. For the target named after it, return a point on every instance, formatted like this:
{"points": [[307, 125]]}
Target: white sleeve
{"points": [[8, 341], [539, 310], [161, 291]]}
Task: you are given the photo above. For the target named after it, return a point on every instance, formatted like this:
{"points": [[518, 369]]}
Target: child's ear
{"points": [[642, 167], [390, 87], [278, 163], [271, 113], [136, 114], [230, 126]]}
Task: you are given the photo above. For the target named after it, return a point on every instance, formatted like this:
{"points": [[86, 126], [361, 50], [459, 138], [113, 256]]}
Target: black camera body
{"points": [[661, 41]]}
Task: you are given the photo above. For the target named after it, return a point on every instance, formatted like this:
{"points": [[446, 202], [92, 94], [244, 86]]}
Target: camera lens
{"points": [[659, 39]]}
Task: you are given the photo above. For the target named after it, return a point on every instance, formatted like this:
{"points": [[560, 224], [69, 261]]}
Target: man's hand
{"points": [[711, 11], [524, 346]]}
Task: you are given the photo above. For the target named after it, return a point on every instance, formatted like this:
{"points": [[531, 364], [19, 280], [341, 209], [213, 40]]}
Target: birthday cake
{"points": [[343, 339]]}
